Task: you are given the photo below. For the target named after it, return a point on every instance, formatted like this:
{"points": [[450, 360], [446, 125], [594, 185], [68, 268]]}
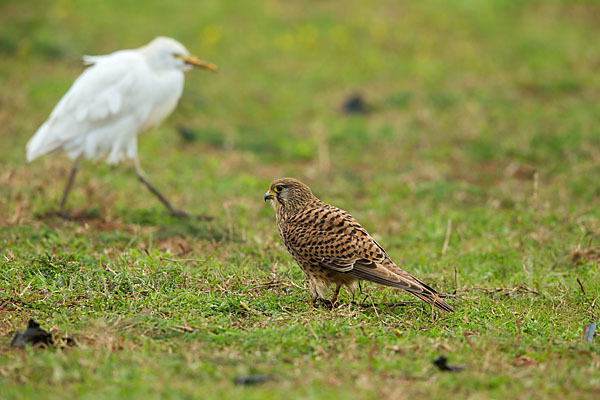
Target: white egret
{"points": [[119, 96]]}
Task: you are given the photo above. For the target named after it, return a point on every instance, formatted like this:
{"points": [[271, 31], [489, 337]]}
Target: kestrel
{"points": [[332, 248]]}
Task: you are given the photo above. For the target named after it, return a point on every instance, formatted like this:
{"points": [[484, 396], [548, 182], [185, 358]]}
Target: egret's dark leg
{"points": [[142, 177], [67, 190]]}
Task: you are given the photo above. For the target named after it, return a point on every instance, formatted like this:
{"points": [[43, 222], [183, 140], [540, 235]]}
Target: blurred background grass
{"points": [[468, 88], [485, 113]]}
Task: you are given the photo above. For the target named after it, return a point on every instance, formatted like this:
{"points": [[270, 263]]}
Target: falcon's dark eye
{"points": [[278, 188]]}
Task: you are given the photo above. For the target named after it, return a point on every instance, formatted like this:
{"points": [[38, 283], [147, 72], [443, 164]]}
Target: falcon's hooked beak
{"points": [[196, 62], [269, 195]]}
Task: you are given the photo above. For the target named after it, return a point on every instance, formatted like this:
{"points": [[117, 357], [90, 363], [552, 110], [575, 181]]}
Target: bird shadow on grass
{"points": [[329, 305], [83, 216], [173, 226], [170, 226]]}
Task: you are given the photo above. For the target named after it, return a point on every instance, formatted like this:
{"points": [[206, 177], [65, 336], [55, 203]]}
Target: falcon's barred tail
{"points": [[435, 300], [431, 296], [389, 274]]}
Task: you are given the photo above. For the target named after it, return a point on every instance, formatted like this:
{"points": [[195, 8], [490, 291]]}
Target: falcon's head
{"points": [[289, 195]]}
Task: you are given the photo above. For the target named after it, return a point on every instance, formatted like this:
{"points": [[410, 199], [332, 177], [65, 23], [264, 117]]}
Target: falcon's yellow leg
{"points": [[336, 293]]}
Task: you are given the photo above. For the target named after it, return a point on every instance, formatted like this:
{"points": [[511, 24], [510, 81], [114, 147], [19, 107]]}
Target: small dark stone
{"points": [[354, 104], [442, 363], [588, 332], [251, 379], [33, 335], [187, 134]]}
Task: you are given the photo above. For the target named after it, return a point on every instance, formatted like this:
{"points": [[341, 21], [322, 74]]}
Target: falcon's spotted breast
{"points": [[332, 248]]}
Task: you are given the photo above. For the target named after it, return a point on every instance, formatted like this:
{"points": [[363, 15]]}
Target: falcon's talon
{"points": [[328, 304]]}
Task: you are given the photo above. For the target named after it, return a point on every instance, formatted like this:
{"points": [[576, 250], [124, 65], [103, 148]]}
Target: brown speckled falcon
{"points": [[331, 247]]}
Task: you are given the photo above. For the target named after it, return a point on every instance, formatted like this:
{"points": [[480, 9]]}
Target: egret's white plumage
{"points": [[119, 96]]}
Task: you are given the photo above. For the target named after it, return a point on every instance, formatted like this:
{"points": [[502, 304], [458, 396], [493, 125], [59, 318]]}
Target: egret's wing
{"points": [[101, 100], [91, 60]]}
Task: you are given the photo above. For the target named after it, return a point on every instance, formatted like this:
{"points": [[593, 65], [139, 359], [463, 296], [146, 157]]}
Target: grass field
{"points": [[477, 167]]}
